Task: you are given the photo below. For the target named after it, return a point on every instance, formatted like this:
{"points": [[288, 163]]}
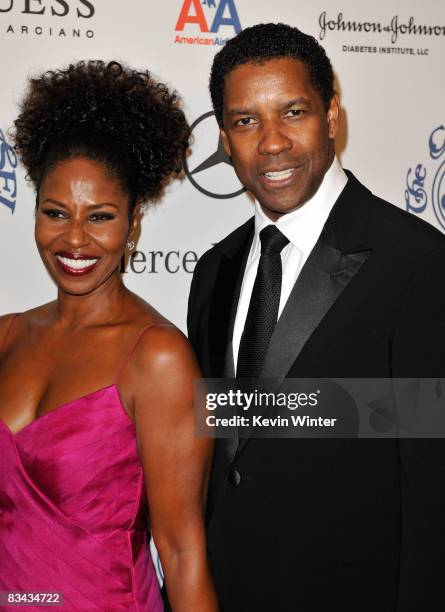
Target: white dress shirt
{"points": [[302, 227]]}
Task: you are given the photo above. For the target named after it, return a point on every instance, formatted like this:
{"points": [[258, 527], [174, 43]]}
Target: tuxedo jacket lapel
{"points": [[325, 275], [336, 258], [222, 315], [338, 255], [225, 300]]}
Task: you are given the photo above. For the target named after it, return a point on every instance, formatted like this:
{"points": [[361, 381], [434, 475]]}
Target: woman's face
{"points": [[81, 225]]}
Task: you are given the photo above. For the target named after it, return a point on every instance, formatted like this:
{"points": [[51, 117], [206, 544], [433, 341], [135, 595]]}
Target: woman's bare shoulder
{"points": [[37, 315], [144, 313], [5, 322], [161, 344]]}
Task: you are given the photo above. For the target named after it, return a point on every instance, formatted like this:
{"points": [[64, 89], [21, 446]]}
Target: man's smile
{"points": [[278, 177]]}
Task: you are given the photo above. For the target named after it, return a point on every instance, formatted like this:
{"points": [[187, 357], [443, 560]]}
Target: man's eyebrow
{"points": [[89, 207], [284, 106], [295, 102], [240, 111]]}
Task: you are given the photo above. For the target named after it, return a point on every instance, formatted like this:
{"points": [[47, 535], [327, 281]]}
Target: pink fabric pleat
{"points": [[73, 509]]}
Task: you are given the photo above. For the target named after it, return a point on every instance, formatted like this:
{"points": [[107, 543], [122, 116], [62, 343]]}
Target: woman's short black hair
{"points": [[267, 41], [109, 113]]}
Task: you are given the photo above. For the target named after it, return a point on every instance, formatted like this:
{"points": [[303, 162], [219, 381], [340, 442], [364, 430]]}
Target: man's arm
{"points": [[418, 351]]}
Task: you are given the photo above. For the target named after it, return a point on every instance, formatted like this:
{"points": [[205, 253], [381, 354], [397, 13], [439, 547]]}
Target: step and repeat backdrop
{"points": [[389, 63]]}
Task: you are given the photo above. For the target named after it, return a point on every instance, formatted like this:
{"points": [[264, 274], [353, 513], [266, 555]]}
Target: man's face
{"points": [[278, 132]]}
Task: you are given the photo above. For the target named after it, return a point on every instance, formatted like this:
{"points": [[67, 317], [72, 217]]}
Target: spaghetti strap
{"points": [[133, 348], [8, 329]]}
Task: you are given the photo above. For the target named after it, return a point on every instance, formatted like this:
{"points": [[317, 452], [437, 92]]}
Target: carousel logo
{"points": [[209, 169], [417, 188], [32, 11], [208, 16], [8, 178]]}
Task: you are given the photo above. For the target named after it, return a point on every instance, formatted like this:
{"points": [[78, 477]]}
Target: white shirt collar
{"points": [[302, 227]]}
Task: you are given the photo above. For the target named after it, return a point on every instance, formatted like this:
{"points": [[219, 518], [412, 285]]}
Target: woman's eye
{"points": [[54, 214], [101, 217]]}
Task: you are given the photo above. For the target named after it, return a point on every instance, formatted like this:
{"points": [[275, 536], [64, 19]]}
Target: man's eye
{"points": [[54, 214], [97, 217], [245, 121], [295, 112]]}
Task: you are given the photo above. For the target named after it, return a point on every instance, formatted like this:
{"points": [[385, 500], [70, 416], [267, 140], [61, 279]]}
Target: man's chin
{"points": [[276, 210]]}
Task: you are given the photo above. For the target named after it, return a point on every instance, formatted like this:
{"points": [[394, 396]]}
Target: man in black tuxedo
{"points": [[356, 288]]}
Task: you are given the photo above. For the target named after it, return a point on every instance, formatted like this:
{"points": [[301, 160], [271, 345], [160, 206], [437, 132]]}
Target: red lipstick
{"points": [[76, 264]]}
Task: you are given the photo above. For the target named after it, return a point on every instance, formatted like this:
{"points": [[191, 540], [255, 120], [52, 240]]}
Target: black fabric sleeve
{"points": [[419, 352]]}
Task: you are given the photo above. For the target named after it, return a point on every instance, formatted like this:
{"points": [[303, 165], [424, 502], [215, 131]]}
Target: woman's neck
{"points": [[105, 304]]}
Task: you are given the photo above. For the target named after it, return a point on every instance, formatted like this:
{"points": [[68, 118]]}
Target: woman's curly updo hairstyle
{"points": [[109, 113]]}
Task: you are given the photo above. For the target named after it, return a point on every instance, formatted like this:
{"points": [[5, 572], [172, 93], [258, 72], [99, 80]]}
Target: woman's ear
{"points": [[135, 222]]}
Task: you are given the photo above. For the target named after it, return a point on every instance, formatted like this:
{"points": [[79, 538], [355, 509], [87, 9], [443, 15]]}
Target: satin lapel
{"points": [[225, 299], [220, 312], [222, 316], [239, 267], [223, 310], [338, 255], [325, 275]]}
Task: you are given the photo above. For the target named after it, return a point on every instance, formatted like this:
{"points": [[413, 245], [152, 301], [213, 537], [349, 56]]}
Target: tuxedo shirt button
{"points": [[234, 477]]}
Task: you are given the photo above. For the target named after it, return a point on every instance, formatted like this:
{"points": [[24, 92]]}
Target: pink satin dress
{"points": [[73, 509]]}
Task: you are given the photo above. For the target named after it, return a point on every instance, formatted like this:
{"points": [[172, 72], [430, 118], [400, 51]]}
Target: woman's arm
{"points": [[176, 465]]}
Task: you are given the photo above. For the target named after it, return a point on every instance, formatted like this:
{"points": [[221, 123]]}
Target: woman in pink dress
{"points": [[97, 440]]}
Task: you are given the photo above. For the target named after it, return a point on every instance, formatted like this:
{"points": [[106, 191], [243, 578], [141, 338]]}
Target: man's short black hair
{"points": [[266, 41]]}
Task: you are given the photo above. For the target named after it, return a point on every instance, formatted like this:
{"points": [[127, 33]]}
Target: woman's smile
{"points": [[76, 264]]}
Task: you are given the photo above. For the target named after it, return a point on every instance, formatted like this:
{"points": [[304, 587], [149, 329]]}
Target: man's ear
{"points": [[225, 142], [333, 116]]}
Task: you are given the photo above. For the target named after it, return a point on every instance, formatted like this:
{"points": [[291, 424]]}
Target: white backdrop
{"points": [[388, 58]]}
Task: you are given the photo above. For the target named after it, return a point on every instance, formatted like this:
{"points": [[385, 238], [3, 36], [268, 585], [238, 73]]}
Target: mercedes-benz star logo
{"points": [[209, 182]]}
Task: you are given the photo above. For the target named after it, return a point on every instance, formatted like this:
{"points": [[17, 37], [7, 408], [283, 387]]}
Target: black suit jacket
{"points": [[316, 524]]}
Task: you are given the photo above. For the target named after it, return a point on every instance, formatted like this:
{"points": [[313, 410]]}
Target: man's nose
{"points": [[75, 234], [273, 140]]}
